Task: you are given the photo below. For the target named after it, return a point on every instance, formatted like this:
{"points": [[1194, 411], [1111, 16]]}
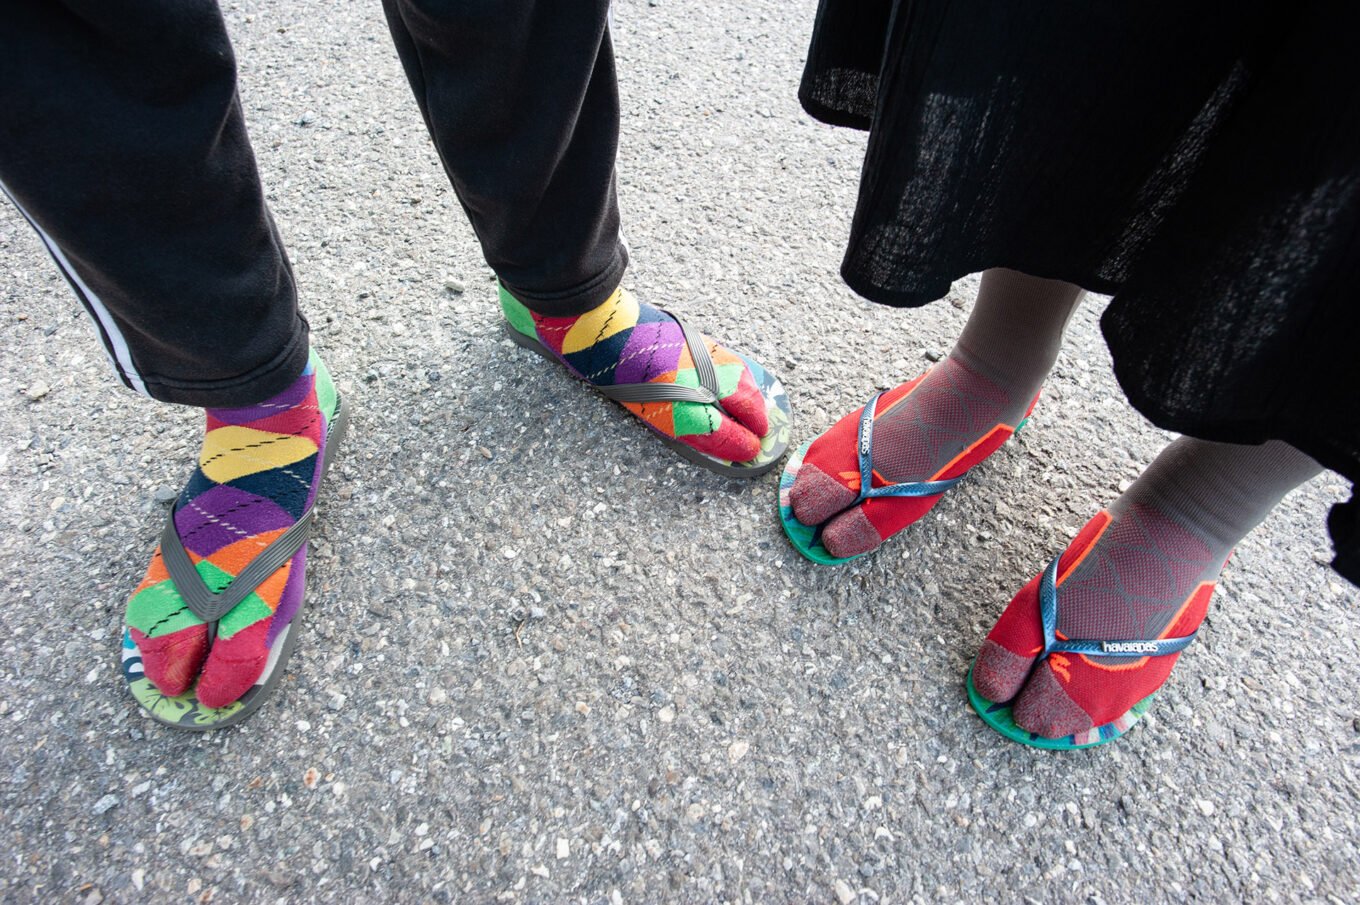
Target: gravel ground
{"points": [[666, 703]]}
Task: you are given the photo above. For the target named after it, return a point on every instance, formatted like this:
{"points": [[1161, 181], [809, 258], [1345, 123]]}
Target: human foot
{"points": [[723, 412], [928, 430], [1138, 576], [257, 477], [1132, 576]]}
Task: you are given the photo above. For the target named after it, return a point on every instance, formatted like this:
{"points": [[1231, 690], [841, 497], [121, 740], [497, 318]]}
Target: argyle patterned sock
{"points": [[257, 473], [1141, 570], [623, 341]]}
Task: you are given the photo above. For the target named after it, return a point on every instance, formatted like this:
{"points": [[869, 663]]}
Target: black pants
{"points": [[122, 142]]}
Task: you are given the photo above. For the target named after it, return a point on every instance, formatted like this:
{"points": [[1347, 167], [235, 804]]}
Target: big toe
{"points": [[234, 665], [172, 661], [816, 496], [850, 534], [999, 674], [747, 405], [1045, 708]]}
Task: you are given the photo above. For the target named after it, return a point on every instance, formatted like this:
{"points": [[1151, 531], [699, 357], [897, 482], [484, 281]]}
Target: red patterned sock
{"points": [[1142, 570], [940, 425], [936, 426]]}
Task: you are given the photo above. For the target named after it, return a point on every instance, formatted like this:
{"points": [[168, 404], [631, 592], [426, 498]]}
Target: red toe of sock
{"points": [[999, 674], [171, 662], [1045, 708], [850, 534], [234, 665], [816, 496], [730, 441]]}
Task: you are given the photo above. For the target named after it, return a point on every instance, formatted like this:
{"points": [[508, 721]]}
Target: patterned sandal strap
{"points": [[865, 449], [1132, 649], [706, 393]]}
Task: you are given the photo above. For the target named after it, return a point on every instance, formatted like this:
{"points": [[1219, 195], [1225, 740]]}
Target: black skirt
{"points": [[1198, 161]]}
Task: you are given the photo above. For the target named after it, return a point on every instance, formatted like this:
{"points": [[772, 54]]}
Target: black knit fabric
{"points": [[1198, 161]]}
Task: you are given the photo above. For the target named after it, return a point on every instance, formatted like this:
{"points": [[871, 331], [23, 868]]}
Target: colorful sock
{"points": [[943, 423], [623, 341], [1143, 569], [257, 473]]}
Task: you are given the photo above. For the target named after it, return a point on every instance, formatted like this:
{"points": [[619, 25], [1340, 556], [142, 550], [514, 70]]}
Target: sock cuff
{"points": [[1221, 491]]}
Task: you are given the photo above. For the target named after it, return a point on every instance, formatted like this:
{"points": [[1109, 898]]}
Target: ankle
{"points": [[1019, 373], [1220, 491], [517, 314]]}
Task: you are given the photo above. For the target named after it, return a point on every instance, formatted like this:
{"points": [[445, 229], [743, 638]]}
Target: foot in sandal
{"points": [[209, 626], [715, 407], [885, 465], [1077, 655]]}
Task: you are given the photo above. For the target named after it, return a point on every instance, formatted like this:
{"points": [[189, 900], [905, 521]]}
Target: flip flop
{"points": [[998, 715], [807, 539], [777, 409], [185, 711]]}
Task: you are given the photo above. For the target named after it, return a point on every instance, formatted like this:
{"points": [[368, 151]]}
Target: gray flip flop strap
{"points": [[706, 393], [210, 605]]}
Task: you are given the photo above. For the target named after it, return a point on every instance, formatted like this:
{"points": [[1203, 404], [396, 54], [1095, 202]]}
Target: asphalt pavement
{"points": [[543, 659]]}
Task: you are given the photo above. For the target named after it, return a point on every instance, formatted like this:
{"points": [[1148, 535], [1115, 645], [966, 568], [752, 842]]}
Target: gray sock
{"points": [[1174, 529], [996, 367], [1167, 535]]}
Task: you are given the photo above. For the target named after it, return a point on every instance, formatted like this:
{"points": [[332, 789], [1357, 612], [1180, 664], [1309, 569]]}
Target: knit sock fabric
{"points": [[257, 474], [940, 424], [624, 341], [1143, 569]]}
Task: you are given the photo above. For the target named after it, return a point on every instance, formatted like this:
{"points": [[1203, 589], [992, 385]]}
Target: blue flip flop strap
{"points": [[1048, 615], [865, 447]]}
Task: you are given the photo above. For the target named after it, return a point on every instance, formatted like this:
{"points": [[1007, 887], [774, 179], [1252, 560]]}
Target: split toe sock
{"points": [[257, 475], [928, 432], [934, 428], [717, 408], [1137, 578]]}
